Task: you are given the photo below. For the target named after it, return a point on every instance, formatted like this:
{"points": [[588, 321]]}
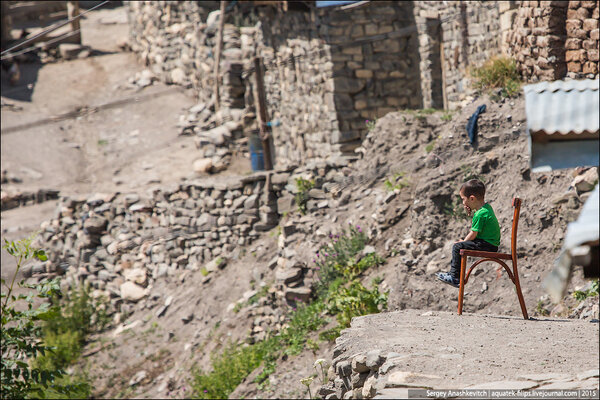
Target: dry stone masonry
{"points": [[556, 39], [326, 70], [120, 243]]}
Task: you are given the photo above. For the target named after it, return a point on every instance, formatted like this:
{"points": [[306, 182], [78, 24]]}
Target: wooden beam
{"points": [[6, 24], [72, 12], [442, 67], [261, 113], [21, 10], [218, 55]]}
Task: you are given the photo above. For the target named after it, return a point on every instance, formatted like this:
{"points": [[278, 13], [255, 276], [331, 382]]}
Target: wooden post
{"points": [[73, 11], [6, 23], [261, 113], [218, 54], [442, 64]]}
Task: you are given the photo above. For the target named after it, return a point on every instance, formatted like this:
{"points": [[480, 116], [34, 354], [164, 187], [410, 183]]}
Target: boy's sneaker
{"points": [[447, 278]]}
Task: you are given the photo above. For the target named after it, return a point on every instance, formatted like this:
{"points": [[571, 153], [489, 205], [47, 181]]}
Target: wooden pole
{"points": [[73, 11], [218, 54], [442, 65], [6, 23], [261, 113]]}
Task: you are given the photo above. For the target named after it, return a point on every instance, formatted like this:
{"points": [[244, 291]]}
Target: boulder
{"points": [[586, 181], [359, 364], [298, 294], [203, 165], [137, 275], [288, 275], [132, 292], [95, 224]]}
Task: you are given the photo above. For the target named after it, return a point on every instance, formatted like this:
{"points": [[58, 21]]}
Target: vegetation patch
{"points": [[581, 295], [455, 209], [370, 124], [498, 73], [39, 343], [339, 292], [301, 198], [396, 181], [468, 174]]}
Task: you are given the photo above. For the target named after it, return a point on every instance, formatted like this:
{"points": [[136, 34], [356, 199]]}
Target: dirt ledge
{"points": [[442, 350]]}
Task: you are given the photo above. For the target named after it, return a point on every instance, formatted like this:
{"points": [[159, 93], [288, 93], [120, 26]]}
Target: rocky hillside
{"points": [[191, 268]]}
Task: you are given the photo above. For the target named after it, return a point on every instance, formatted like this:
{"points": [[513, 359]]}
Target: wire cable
{"points": [[37, 46], [55, 27]]}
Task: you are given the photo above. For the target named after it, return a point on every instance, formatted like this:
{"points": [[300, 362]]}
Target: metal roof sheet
{"points": [[563, 107]]}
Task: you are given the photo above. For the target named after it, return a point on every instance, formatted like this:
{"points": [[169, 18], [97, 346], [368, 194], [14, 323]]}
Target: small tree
{"points": [[22, 333]]}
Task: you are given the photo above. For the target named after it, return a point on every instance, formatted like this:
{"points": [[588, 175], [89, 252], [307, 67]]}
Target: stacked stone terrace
{"points": [[123, 242]]}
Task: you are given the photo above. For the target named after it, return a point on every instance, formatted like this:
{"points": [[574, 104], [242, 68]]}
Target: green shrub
{"points": [[301, 198], [469, 174], [355, 300], [581, 295], [341, 252], [397, 181], [22, 333], [236, 362], [498, 72], [430, 146], [370, 124], [229, 369]]}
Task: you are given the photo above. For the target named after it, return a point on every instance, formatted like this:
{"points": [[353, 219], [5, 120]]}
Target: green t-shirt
{"points": [[486, 225]]}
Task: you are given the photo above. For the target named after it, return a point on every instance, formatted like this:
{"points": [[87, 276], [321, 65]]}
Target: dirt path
{"points": [[443, 350], [127, 148]]}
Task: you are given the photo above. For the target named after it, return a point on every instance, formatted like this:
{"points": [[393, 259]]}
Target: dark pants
{"points": [[477, 244]]}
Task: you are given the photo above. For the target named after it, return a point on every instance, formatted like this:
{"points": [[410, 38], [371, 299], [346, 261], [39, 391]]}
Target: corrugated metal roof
{"points": [[566, 108]]}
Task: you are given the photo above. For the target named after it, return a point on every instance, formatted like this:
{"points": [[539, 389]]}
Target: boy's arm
{"points": [[472, 235]]}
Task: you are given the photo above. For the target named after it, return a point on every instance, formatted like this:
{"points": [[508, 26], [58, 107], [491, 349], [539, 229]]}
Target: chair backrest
{"points": [[516, 203]]}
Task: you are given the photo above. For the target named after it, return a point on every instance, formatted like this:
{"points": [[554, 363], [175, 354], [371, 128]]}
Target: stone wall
{"points": [[296, 67], [581, 46], [375, 63], [453, 38], [121, 243], [556, 39], [176, 39], [328, 70]]}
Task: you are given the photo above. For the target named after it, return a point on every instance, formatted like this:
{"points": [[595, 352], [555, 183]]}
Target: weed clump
{"points": [[339, 292], [301, 198], [498, 73]]}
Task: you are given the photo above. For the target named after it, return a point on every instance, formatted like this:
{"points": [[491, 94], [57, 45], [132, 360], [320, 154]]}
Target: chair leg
{"points": [[461, 289], [519, 293]]}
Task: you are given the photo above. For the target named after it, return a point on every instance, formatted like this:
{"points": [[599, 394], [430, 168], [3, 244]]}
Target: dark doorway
{"points": [[434, 31]]}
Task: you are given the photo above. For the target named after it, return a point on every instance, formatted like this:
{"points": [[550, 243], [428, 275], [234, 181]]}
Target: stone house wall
{"points": [[176, 40], [328, 70], [325, 75], [556, 39], [453, 38]]}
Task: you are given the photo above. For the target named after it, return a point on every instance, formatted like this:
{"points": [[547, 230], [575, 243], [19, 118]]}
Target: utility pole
{"points": [[218, 54], [261, 113]]}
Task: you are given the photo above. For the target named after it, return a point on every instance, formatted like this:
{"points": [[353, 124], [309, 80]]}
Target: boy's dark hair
{"points": [[473, 187]]}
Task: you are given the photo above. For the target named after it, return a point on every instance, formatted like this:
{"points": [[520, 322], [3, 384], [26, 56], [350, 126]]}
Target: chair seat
{"points": [[486, 254]]}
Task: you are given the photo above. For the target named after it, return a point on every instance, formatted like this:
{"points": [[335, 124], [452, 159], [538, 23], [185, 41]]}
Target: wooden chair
{"points": [[497, 258]]}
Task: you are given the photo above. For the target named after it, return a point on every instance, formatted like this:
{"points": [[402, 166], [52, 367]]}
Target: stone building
{"points": [[556, 39], [328, 70]]}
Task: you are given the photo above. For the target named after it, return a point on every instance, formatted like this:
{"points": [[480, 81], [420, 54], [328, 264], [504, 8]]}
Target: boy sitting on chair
{"points": [[485, 230]]}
